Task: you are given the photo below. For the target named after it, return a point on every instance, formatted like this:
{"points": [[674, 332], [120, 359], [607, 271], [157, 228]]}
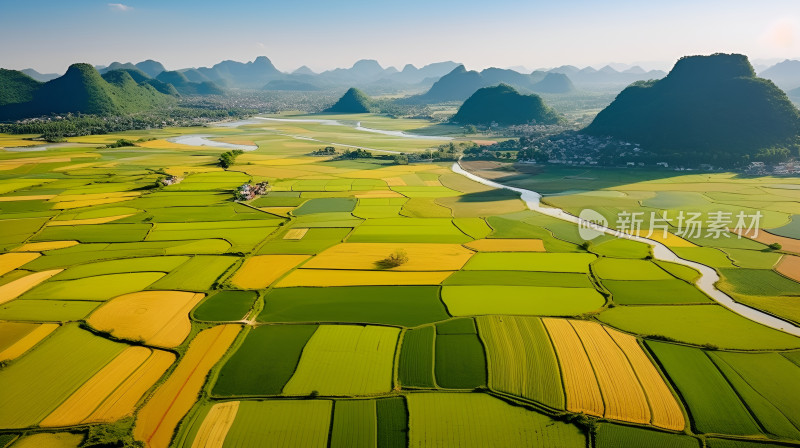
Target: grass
{"points": [[608, 436], [197, 274], [46, 310], [96, 233], [476, 420], [460, 361], [225, 306], [416, 358], [354, 424], [346, 360], [760, 282], [651, 292], [765, 382], [521, 359], [265, 361], [314, 241], [391, 305], [699, 325], [146, 264], [529, 300], [543, 262], [325, 205], [464, 325], [713, 404], [622, 248], [621, 269], [281, 424], [392, 422], [99, 288], [519, 278]]}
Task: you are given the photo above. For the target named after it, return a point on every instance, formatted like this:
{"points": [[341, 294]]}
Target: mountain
{"points": [[365, 70], [141, 77], [83, 90], [194, 75], [290, 85], [607, 76], [186, 87], [41, 77], [459, 84], [16, 87], [304, 70], [505, 106], [785, 74], [706, 104], [243, 75], [151, 68], [353, 101]]}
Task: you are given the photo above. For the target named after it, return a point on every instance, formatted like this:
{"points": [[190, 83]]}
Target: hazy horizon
{"points": [[48, 36]]}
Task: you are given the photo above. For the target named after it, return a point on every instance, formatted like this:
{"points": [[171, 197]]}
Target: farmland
{"points": [[363, 302]]}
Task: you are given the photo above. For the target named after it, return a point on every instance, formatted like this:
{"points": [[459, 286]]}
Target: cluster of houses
{"points": [[171, 180], [780, 169], [247, 192]]}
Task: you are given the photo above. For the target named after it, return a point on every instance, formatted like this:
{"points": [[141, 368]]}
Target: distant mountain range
{"points": [[505, 106], [785, 74], [607, 76], [459, 84], [81, 90], [710, 105]]}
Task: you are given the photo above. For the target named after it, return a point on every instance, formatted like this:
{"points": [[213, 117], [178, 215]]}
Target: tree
{"points": [[226, 159], [397, 258]]}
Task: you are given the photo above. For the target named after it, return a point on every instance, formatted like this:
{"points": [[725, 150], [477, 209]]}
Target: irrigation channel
{"points": [[708, 276]]}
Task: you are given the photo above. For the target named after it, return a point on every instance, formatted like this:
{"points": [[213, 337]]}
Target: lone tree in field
{"points": [[397, 258], [226, 159]]}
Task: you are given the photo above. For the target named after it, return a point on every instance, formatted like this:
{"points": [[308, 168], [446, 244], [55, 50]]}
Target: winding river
{"points": [[708, 276], [202, 140]]}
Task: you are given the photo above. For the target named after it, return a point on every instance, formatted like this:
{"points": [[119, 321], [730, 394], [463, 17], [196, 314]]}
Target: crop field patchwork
{"points": [[369, 302]]}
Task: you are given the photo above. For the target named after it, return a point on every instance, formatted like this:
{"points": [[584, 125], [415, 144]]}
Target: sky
{"points": [[49, 35]]}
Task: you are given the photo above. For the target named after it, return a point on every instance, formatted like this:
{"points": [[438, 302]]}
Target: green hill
{"points": [[353, 101], [505, 106], [83, 90], [186, 87], [16, 87], [711, 106], [142, 78]]}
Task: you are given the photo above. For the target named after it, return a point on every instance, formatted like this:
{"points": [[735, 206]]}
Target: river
{"points": [[708, 276]]}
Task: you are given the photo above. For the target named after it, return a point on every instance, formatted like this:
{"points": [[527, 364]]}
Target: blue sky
{"points": [[48, 35]]}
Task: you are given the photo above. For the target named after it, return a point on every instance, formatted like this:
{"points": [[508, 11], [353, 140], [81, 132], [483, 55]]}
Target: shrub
{"points": [[397, 258]]}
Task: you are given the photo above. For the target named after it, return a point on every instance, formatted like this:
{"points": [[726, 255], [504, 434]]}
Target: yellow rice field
{"points": [[45, 245], [506, 245], [261, 271], [158, 418], [11, 261], [122, 402], [156, 317], [295, 234], [335, 277], [378, 194], [16, 288], [580, 383], [280, 211], [365, 256], [664, 409], [622, 394], [75, 222], [35, 197], [28, 341], [91, 394], [215, 426]]}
